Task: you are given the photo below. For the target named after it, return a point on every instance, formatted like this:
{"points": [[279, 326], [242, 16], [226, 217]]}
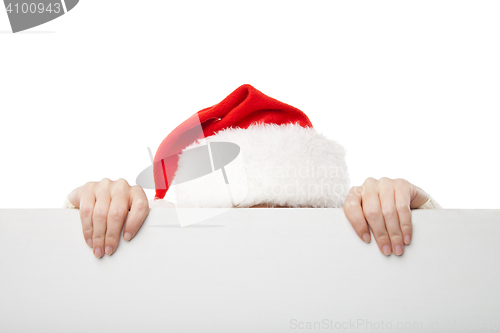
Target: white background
{"points": [[411, 89]]}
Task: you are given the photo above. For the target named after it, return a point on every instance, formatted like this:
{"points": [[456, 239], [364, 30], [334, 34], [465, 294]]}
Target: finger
{"points": [[354, 213], [99, 219], [118, 210], [373, 214], [138, 212], [418, 196], [390, 214], [87, 202], [403, 199]]}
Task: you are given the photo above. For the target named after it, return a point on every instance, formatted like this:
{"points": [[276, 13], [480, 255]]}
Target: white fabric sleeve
{"points": [[430, 204]]}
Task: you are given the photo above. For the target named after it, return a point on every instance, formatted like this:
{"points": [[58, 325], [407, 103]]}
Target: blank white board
{"points": [[250, 270]]}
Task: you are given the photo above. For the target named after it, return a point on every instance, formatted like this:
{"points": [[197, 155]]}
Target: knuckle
{"points": [[98, 237], [388, 212], [371, 212], [111, 240], [400, 182], [395, 234], [138, 190], [85, 212], [406, 227], [370, 180], [402, 207], [99, 214], [350, 203], [385, 179], [358, 190], [142, 204], [352, 190], [88, 185], [87, 231], [381, 237], [122, 180], [104, 183], [116, 213], [121, 184]]}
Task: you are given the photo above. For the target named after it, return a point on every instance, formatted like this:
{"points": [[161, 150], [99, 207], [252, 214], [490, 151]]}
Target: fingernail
{"points": [[398, 250], [109, 250], [366, 237], [407, 239], [127, 236], [387, 250], [89, 242], [98, 252]]}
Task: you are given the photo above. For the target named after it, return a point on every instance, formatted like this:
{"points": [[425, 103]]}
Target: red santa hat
{"points": [[283, 161]]}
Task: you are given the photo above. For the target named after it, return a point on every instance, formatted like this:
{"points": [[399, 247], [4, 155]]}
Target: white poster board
{"points": [[250, 270]]}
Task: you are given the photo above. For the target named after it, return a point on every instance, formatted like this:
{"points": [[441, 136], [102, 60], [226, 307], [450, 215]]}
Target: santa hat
{"points": [[283, 161]]}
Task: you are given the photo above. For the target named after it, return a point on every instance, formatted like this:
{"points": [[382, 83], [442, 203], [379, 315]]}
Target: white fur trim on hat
{"points": [[279, 165]]}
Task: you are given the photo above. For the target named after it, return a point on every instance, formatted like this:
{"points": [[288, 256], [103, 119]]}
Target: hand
{"points": [[103, 207], [384, 205]]}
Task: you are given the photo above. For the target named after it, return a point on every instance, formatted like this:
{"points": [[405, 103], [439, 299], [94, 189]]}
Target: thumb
{"points": [[418, 197], [74, 197]]}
